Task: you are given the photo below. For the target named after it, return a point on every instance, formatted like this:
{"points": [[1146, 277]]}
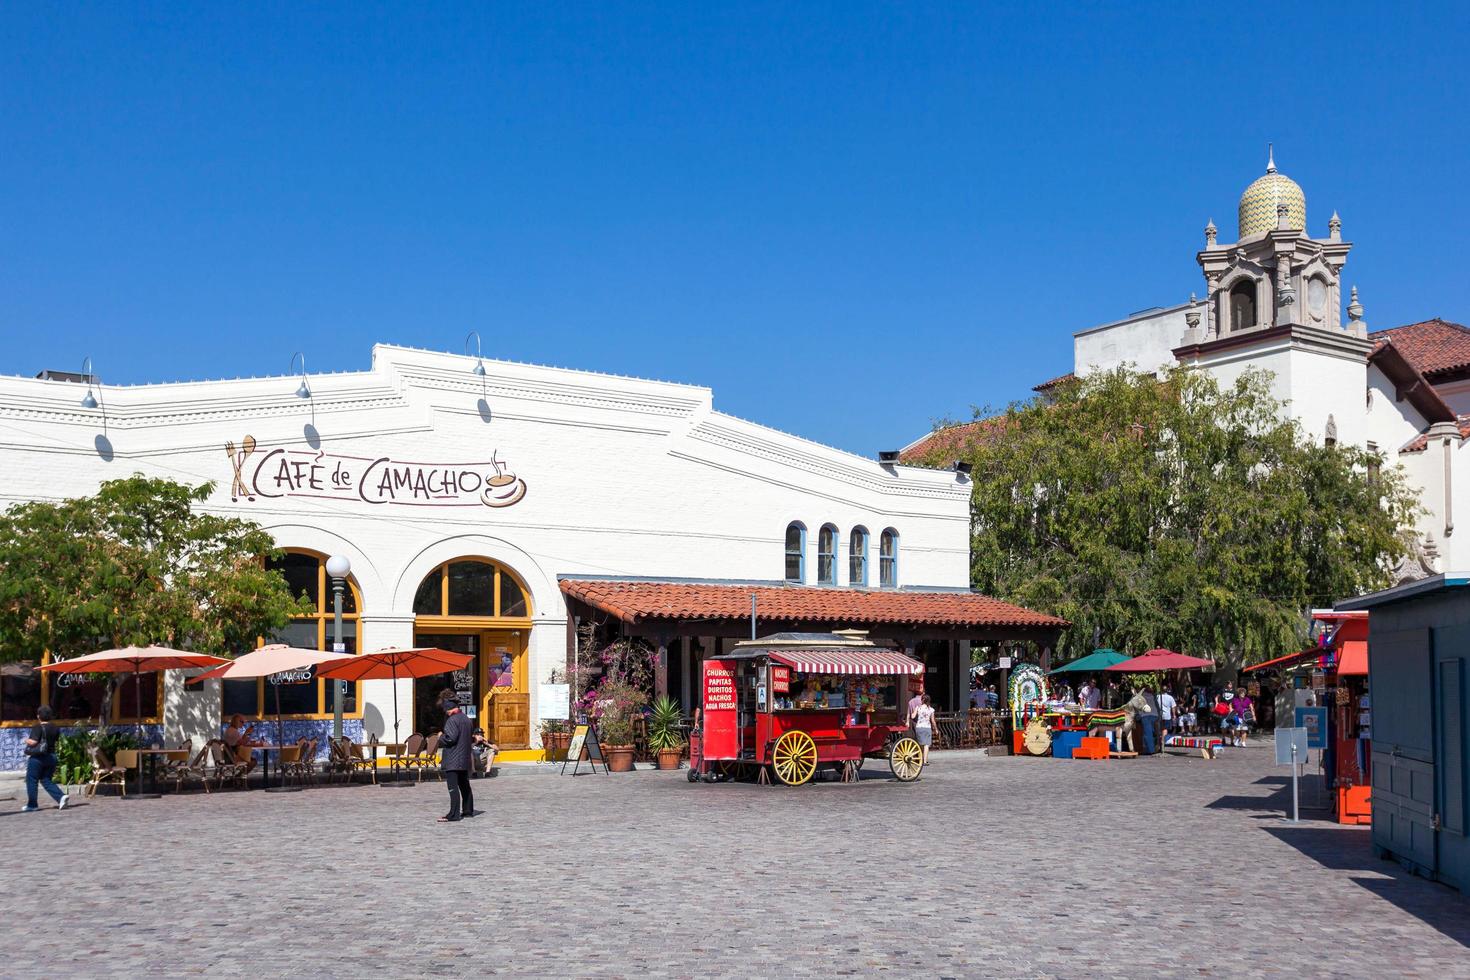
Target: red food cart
{"points": [[786, 705]]}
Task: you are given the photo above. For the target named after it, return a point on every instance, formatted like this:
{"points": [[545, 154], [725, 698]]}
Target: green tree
{"points": [[134, 564], [1174, 512]]}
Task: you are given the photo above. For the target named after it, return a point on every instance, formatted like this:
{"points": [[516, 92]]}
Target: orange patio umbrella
{"points": [[393, 664], [135, 661]]}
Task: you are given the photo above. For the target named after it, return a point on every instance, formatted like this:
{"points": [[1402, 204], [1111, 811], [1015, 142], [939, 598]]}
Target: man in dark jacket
{"points": [[454, 759]]}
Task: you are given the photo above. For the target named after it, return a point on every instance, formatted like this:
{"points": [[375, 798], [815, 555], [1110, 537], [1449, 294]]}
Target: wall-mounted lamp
{"points": [[479, 370], [963, 468], [303, 390], [90, 400], [888, 456]]}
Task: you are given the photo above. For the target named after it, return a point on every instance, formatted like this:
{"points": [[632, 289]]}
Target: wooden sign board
{"points": [[584, 737]]}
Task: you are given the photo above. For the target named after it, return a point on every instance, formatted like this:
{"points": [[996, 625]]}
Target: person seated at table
{"points": [[482, 751], [239, 740]]}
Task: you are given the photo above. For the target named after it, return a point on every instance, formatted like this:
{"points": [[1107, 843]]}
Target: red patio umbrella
{"points": [[393, 664], [1160, 659]]}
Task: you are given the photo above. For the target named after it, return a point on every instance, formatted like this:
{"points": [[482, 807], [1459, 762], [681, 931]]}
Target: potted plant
{"points": [[556, 738], [616, 676], [665, 740]]}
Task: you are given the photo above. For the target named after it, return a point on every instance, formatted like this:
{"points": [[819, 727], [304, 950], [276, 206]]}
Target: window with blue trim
{"points": [[857, 557], [827, 555], [888, 558], [796, 552]]}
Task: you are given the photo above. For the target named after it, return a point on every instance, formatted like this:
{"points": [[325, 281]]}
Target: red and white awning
{"points": [[840, 661]]}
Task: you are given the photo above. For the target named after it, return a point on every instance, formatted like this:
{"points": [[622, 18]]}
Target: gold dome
{"points": [[1258, 203]]}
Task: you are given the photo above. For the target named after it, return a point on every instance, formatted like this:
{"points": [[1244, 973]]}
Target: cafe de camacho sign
{"points": [[282, 472]]}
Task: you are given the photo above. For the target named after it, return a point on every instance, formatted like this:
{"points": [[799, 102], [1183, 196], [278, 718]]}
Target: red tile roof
{"points": [[1421, 442], [1433, 346], [952, 442], [633, 601], [1059, 380]]}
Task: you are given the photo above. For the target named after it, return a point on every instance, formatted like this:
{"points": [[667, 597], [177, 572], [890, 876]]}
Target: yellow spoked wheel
{"points": [[906, 759], [794, 757]]}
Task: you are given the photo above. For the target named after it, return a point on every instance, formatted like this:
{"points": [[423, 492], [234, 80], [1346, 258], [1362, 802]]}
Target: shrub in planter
{"points": [[664, 738]]}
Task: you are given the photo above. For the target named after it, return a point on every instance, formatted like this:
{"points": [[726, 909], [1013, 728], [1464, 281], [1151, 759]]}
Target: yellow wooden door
{"points": [[506, 707]]}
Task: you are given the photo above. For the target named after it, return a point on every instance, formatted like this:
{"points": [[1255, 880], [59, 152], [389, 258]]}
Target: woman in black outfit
{"points": [[41, 761]]}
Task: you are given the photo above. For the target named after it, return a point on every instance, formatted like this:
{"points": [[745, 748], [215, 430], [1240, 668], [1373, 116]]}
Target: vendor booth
{"points": [[1333, 674], [790, 704], [1419, 672]]}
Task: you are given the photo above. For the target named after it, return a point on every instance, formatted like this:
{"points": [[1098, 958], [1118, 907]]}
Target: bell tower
{"points": [[1274, 274]]}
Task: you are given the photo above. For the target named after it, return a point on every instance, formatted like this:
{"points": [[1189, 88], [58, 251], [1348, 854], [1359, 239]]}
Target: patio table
{"points": [[152, 755]]}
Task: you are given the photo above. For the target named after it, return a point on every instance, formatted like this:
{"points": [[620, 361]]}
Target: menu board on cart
{"points": [[721, 714]]}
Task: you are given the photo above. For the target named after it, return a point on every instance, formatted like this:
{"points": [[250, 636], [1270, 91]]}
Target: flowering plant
{"points": [[617, 675]]}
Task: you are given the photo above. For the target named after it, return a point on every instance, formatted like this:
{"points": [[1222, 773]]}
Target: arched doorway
{"points": [[478, 606]]}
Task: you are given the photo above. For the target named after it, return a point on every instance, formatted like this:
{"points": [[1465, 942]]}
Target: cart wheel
{"points": [[906, 759], [794, 757], [693, 774]]}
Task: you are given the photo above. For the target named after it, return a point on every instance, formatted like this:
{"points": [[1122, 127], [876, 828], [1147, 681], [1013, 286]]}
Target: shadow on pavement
{"points": [[1351, 849]]}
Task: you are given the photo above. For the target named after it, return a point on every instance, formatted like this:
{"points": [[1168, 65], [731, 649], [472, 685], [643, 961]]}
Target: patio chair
{"points": [[288, 760], [105, 773], [339, 758], [225, 767], [195, 768], [408, 757], [359, 761], [428, 760], [305, 767]]}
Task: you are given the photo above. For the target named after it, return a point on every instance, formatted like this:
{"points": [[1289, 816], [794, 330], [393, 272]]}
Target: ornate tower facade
{"points": [[1274, 274]]}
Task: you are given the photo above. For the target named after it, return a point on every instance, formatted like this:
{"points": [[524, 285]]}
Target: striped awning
{"points": [[840, 661]]}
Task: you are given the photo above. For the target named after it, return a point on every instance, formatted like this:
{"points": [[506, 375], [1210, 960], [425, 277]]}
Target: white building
{"points": [[1273, 301], [476, 500]]}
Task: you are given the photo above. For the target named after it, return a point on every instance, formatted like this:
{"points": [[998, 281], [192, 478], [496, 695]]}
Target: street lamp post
{"points": [[338, 568]]}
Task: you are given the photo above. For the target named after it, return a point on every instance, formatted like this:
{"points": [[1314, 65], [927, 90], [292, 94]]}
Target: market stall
{"points": [[1333, 676], [789, 705]]}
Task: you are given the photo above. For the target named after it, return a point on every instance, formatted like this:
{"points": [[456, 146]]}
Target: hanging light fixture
{"points": [[303, 390], [88, 400], [479, 369]]}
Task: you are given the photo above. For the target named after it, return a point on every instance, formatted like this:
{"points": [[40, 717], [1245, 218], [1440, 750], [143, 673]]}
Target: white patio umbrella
{"points": [[274, 658]]}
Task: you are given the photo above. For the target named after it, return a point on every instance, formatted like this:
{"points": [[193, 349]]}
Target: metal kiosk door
{"points": [[1452, 751]]}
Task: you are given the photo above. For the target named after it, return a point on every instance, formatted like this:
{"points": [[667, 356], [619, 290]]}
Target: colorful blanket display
{"points": [[1207, 744], [1028, 693], [1116, 725]]}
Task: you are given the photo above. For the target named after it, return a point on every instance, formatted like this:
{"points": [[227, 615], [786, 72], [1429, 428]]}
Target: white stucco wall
{"points": [[1145, 341], [624, 477]]}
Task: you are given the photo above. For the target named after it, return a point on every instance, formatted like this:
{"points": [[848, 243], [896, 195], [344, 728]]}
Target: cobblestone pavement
{"points": [[986, 867]]}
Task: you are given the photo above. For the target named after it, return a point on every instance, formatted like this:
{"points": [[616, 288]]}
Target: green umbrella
{"points": [[1094, 661]]}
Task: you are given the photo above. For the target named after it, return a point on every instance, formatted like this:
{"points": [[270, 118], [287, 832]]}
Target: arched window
{"points": [[306, 576], [471, 587], [827, 555], [796, 552], [857, 557], [1243, 305], [888, 558]]}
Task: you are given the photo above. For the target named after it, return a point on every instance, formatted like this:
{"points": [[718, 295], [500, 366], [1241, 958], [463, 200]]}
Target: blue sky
{"points": [[847, 219]]}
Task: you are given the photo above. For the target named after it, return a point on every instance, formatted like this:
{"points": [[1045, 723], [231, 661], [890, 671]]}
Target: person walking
{"points": [[921, 719], [1168, 708], [41, 761], [454, 759]]}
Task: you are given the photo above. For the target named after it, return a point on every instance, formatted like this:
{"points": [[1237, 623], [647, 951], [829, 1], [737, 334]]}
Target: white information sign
{"points": [[556, 701]]}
